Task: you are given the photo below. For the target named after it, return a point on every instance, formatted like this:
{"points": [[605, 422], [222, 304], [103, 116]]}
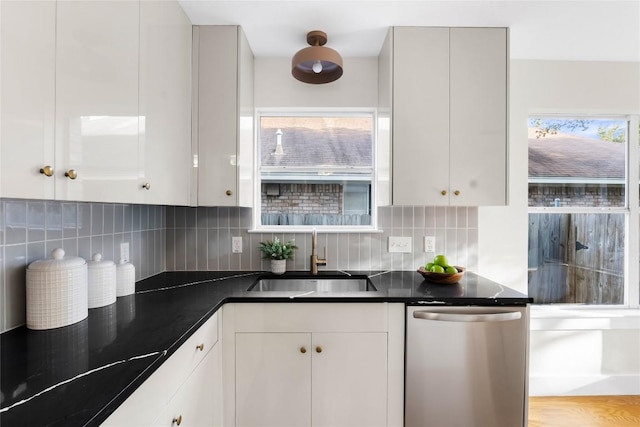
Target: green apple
{"points": [[451, 270], [428, 266], [441, 260], [436, 269]]}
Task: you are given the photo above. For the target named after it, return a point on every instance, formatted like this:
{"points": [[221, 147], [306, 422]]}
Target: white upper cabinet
{"points": [[165, 103], [224, 122], [449, 115], [27, 73], [96, 101], [97, 124]]}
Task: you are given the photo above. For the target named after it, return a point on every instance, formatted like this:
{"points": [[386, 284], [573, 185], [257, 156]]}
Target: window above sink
{"points": [[316, 169]]}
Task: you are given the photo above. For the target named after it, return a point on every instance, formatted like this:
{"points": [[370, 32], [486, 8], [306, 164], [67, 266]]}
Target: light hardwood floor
{"points": [[584, 411]]}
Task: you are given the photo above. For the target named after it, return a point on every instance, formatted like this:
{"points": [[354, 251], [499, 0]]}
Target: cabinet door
{"points": [[217, 115], [97, 122], [478, 116], [165, 103], [273, 379], [420, 116], [349, 379], [199, 401], [28, 98]]}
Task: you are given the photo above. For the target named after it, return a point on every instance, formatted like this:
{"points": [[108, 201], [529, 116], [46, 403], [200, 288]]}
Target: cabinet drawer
{"points": [[321, 317], [191, 353]]}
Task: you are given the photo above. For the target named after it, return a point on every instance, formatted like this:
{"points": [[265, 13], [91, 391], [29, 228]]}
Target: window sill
{"points": [[545, 318], [308, 229]]}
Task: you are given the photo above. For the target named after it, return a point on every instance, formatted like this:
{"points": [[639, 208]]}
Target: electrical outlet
{"points": [[429, 243], [124, 251], [399, 244], [236, 244]]}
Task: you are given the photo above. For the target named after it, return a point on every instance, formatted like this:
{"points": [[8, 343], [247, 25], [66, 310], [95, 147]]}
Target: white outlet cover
{"points": [[399, 244], [429, 243], [124, 251], [236, 244]]}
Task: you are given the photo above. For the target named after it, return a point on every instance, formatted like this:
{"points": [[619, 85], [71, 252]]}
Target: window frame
{"points": [[258, 227], [631, 210]]}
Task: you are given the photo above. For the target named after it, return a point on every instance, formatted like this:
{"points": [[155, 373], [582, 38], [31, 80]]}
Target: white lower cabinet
{"points": [[311, 379], [186, 387], [273, 379], [313, 365], [349, 379], [198, 401]]}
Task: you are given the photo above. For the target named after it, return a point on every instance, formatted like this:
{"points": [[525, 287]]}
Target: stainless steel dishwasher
{"points": [[466, 366]]}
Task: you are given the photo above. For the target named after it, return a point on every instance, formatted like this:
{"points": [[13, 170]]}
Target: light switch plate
{"points": [[124, 251], [236, 244], [399, 244], [429, 243]]}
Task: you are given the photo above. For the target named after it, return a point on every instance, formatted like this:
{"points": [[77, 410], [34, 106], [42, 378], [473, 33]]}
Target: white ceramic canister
{"points": [[125, 278], [56, 291], [102, 281]]}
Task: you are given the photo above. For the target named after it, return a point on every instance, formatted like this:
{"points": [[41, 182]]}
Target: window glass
{"points": [[316, 170], [577, 162], [577, 253], [576, 258]]}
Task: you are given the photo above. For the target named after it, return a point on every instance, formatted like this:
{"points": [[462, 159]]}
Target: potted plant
{"points": [[278, 252]]}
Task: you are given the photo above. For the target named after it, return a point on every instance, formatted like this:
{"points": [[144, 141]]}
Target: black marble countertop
{"points": [[79, 374]]}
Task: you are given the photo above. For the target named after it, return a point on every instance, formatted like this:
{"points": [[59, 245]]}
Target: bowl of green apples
{"points": [[441, 272]]}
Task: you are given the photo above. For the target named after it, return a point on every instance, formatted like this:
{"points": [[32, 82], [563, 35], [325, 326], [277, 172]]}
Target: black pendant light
{"points": [[316, 64]]}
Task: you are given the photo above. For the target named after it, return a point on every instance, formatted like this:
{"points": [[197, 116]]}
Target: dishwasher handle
{"points": [[468, 317]]}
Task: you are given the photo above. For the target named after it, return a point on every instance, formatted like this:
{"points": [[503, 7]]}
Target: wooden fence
{"points": [[576, 258]]}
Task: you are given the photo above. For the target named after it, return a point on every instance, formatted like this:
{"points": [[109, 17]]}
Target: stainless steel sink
{"points": [[312, 285]]}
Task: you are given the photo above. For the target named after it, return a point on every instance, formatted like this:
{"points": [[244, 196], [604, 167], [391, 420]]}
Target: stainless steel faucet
{"points": [[315, 261]]}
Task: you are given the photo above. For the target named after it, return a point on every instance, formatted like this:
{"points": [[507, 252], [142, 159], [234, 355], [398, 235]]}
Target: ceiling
{"points": [[604, 30]]}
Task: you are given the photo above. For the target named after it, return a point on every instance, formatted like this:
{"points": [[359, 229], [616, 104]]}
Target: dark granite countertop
{"points": [[79, 374]]}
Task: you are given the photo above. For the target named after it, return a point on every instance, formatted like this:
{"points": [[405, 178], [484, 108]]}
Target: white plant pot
{"points": [[278, 266]]}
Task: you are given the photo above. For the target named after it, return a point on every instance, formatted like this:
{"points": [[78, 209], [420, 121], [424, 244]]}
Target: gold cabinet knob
{"points": [[443, 192], [146, 186], [303, 350], [457, 192], [47, 171], [177, 420], [318, 349], [71, 174], [200, 347], [228, 192]]}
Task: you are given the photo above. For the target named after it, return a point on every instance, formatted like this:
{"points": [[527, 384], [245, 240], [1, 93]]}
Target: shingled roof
{"points": [[308, 147], [564, 156]]}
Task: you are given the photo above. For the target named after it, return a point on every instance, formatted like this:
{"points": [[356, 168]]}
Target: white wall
{"points": [[575, 357], [276, 87]]}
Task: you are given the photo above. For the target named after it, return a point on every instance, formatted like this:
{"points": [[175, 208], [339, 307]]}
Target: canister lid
{"points": [[98, 262], [124, 264], [57, 262]]}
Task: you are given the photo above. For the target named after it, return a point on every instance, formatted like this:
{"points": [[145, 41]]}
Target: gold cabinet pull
{"points": [[71, 174], [146, 186], [47, 171], [228, 192], [457, 192], [200, 347], [318, 349], [443, 192], [303, 350], [177, 420]]}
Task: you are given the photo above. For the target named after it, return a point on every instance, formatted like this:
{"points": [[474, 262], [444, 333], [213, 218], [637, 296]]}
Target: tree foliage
{"points": [[544, 127], [611, 133]]}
